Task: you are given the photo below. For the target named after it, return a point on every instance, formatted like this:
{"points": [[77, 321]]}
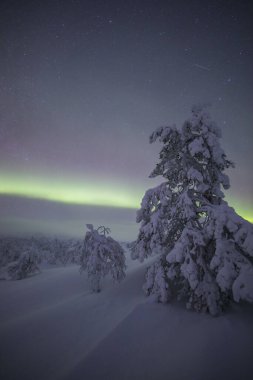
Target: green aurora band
{"points": [[70, 191], [91, 193]]}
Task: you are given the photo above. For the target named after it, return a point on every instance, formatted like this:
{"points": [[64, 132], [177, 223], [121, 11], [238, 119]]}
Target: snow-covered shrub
{"points": [[26, 265], [102, 255], [11, 249], [49, 250], [205, 249]]}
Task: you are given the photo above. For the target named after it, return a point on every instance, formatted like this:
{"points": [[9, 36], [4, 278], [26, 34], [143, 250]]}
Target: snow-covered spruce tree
{"points": [[205, 250], [101, 255]]}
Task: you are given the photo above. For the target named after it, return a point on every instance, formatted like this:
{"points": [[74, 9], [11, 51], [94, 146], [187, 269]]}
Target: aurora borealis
{"points": [[82, 193], [84, 83]]}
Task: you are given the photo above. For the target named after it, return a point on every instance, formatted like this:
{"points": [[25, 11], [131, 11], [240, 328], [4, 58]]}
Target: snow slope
{"points": [[166, 342], [52, 327]]}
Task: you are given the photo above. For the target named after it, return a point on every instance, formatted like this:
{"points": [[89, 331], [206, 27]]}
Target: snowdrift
{"points": [[52, 327]]}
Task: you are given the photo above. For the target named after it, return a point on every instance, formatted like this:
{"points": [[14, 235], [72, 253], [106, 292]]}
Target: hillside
{"points": [[52, 327]]}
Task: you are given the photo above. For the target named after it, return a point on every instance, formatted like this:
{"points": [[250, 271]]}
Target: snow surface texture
{"points": [[205, 250], [53, 327]]}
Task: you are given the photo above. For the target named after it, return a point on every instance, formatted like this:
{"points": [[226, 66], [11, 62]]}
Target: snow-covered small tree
{"points": [[102, 255], [26, 265], [205, 249]]}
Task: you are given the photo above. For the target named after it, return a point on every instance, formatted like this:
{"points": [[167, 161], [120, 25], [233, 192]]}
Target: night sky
{"points": [[84, 83]]}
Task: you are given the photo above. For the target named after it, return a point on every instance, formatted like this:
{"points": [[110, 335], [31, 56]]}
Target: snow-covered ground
{"points": [[52, 327]]}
